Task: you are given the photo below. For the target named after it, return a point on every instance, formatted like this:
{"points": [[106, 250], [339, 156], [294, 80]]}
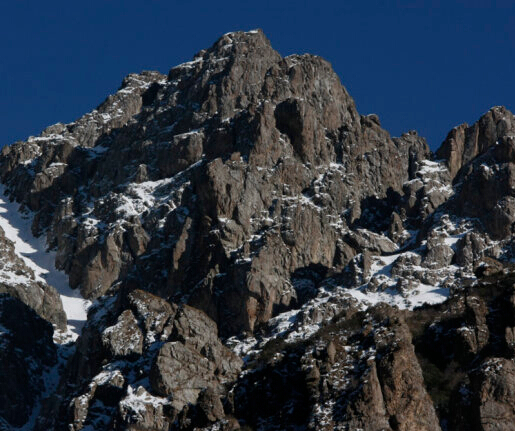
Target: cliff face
{"points": [[236, 222], [238, 166]]}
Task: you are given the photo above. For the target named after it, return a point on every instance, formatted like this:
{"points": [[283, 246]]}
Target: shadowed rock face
{"points": [[238, 222], [494, 383], [350, 377], [26, 351]]}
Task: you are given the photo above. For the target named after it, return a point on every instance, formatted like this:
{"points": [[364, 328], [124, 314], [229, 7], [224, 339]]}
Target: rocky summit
{"points": [[232, 246]]}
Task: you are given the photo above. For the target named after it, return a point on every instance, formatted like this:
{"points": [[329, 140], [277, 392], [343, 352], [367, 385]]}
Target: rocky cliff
{"points": [[261, 256]]}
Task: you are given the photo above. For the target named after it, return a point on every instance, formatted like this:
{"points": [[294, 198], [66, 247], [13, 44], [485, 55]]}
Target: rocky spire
{"points": [[464, 143]]}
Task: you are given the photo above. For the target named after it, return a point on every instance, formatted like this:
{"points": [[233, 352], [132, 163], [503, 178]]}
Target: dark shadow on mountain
{"points": [[305, 282], [376, 213], [280, 394]]}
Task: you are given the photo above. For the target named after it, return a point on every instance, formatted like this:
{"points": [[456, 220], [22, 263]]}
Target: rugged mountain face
{"points": [[257, 251], [216, 171]]}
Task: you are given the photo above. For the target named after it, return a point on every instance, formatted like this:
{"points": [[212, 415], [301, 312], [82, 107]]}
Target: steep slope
{"points": [[237, 224], [31, 257], [211, 181], [34, 297]]}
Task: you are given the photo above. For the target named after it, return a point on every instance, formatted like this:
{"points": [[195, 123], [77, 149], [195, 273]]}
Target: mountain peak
{"points": [[238, 43], [260, 255]]}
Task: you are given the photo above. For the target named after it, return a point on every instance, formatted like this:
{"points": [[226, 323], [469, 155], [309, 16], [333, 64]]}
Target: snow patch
{"points": [[33, 251], [428, 167], [138, 400], [423, 294]]}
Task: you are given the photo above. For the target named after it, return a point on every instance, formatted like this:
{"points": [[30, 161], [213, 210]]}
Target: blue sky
{"points": [[419, 65]]}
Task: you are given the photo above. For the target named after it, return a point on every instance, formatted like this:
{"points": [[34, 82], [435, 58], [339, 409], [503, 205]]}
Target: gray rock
{"points": [[396, 227], [21, 284], [194, 361], [139, 411], [470, 249], [210, 405], [124, 338], [153, 312], [438, 253], [494, 383], [400, 373], [464, 143], [181, 372], [473, 335]]}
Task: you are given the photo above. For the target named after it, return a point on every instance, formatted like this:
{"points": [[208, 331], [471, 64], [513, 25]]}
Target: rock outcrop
{"points": [[146, 361], [354, 375], [464, 143], [19, 281]]}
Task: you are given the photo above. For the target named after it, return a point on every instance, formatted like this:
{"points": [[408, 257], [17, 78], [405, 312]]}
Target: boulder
{"points": [[494, 385], [123, 338]]}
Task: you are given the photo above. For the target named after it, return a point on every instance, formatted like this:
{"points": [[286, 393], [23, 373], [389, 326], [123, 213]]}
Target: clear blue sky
{"points": [[419, 65]]}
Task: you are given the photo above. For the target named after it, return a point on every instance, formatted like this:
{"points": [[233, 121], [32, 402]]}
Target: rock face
{"points": [[351, 377], [486, 186], [464, 143], [239, 224], [18, 280], [147, 361], [26, 351], [124, 338], [196, 362], [495, 383], [228, 160]]}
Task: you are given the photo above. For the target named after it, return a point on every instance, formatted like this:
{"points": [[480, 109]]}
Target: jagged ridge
{"points": [[243, 193]]}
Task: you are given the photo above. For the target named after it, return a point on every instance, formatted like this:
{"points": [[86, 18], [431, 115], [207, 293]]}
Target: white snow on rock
{"points": [[34, 252], [431, 167], [138, 399], [422, 294], [294, 325], [380, 285]]}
